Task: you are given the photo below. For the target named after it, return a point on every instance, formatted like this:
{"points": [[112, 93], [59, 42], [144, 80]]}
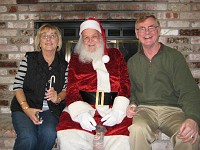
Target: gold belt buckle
{"points": [[98, 98]]}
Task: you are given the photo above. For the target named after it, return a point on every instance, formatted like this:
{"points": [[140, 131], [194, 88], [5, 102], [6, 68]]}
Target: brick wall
{"points": [[180, 21]]}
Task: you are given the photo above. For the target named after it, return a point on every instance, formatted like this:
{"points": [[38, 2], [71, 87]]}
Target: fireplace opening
{"points": [[119, 34]]}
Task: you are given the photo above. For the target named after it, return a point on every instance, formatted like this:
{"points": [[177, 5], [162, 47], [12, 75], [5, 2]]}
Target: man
{"points": [[164, 90], [97, 93]]}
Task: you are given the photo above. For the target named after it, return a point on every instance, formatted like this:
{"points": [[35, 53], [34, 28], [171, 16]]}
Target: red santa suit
{"points": [[90, 77]]}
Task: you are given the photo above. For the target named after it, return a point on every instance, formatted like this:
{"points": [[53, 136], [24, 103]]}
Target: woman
{"points": [[39, 92]]}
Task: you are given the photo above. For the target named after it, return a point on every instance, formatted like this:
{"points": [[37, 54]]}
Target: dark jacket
{"points": [[36, 80]]}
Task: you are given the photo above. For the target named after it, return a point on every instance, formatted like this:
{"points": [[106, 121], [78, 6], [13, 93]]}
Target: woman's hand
{"points": [[51, 95], [31, 113], [131, 111]]}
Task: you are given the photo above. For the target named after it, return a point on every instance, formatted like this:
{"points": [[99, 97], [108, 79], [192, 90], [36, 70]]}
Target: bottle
{"points": [[98, 140]]}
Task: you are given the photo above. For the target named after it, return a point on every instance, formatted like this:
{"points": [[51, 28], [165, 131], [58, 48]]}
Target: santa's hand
{"points": [[86, 121], [113, 118]]}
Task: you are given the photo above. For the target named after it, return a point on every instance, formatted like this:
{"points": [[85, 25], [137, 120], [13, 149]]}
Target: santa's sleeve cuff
{"points": [[121, 103], [79, 107]]}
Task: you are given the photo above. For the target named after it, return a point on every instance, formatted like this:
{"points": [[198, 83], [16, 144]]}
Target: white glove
{"points": [[86, 121], [113, 118]]}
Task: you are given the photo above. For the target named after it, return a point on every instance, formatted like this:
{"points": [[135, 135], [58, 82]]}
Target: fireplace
{"points": [[119, 34]]}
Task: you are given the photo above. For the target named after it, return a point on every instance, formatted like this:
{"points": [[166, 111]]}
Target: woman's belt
{"points": [[99, 97]]}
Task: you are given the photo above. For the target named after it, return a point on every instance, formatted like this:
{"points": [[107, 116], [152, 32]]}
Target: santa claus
{"points": [[97, 93]]}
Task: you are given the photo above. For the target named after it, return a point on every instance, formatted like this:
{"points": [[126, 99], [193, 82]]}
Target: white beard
{"points": [[87, 56]]}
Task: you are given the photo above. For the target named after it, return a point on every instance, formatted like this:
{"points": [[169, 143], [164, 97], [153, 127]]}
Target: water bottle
{"points": [[99, 138]]}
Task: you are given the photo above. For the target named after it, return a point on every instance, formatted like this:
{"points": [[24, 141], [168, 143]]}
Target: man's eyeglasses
{"points": [[150, 29], [51, 36], [92, 38]]}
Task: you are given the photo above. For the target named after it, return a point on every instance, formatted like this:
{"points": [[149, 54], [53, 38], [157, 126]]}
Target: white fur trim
{"points": [[121, 103], [79, 107], [73, 139], [89, 24], [66, 109], [67, 138], [103, 110], [103, 78], [105, 58]]}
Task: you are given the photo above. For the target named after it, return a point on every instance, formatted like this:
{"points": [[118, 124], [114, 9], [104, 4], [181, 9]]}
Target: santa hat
{"points": [[93, 23]]}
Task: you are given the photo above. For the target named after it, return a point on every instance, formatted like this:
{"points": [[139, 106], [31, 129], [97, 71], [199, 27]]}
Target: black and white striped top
{"points": [[19, 79]]}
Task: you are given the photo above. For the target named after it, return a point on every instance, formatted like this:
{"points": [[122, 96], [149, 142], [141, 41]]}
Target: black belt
{"points": [[99, 97]]}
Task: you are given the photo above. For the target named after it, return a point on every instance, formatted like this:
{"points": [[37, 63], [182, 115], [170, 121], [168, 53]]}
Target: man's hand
{"points": [[113, 118], [86, 121], [131, 111], [189, 131]]}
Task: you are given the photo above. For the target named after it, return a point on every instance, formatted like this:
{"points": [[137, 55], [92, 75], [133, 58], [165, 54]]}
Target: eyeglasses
{"points": [[92, 38], [150, 29], [51, 36]]}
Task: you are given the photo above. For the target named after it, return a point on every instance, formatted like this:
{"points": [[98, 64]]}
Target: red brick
{"points": [[8, 48], [19, 41], [196, 7], [3, 87], [61, 7], [3, 72], [8, 32], [195, 48], [16, 56], [12, 9], [177, 40], [26, 48], [86, 7], [8, 64], [190, 15], [18, 25], [22, 8], [132, 6], [3, 56], [50, 16], [8, 17], [98, 15], [2, 24], [160, 6], [178, 24], [171, 15], [3, 9], [106, 6], [3, 41], [27, 32], [4, 102], [121, 15], [136, 14], [179, 7], [6, 95], [12, 72], [73, 16], [29, 16], [42, 8], [195, 40], [189, 32], [8, 2]]}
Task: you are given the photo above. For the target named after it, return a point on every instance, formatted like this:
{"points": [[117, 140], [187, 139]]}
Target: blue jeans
{"points": [[31, 136]]}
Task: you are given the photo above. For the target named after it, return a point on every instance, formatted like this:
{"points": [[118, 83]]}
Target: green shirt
{"points": [[165, 80]]}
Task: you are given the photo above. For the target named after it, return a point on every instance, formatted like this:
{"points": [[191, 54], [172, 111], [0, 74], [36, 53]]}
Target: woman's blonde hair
{"points": [[142, 18], [47, 27]]}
